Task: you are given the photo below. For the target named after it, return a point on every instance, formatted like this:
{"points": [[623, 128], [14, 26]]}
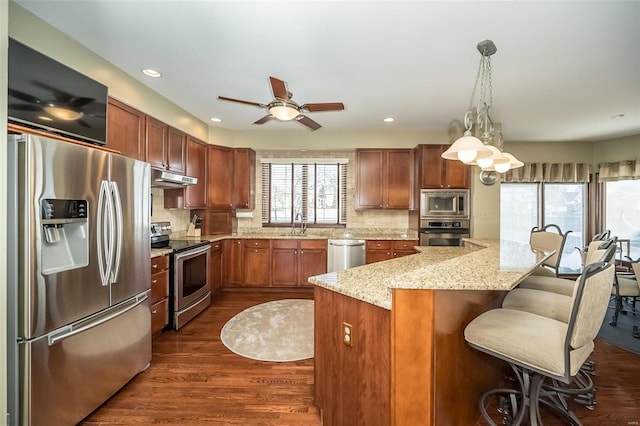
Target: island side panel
{"points": [[412, 357], [462, 374], [351, 383]]}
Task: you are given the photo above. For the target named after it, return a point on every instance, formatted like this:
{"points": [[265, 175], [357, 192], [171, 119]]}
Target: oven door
{"points": [[448, 238], [191, 270]]}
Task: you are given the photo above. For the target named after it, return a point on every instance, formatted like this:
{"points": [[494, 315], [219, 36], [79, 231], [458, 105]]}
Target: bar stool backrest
{"points": [[549, 238]]}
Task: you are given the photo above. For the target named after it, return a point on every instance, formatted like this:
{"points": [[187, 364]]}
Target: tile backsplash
{"points": [[179, 218]]}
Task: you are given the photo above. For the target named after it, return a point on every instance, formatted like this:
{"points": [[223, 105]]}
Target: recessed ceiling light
{"points": [[617, 116], [389, 120], [151, 73], [216, 119]]}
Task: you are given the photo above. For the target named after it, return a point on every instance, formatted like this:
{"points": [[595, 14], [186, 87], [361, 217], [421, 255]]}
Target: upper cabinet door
{"points": [[369, 178], [399, 178], [244, 177], [219, 176], [176, 148], [125, 130], [157, 139], [196, 195]]}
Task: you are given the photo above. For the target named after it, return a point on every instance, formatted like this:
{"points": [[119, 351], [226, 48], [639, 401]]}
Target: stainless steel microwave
{"points": [[436, 203]]}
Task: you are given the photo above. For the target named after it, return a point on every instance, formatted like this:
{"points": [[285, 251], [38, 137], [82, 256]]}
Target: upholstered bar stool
{"points": [[563, 286], [538, 347], [548, 238]]}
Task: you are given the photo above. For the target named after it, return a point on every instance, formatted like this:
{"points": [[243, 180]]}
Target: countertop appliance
{"points": [[344, 254], [439, 232], [445, 204], [48, 95], [79, 278], [189, 287]]}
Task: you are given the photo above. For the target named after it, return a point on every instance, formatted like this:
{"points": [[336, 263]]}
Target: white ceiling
{"points": [[562, 70]]}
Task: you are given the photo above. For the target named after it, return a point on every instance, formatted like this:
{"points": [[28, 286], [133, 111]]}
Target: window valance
{"points": [[549, 172], [622, 170]]}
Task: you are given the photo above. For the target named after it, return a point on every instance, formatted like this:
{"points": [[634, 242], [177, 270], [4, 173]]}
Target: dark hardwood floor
{"points": [[195, 380]]}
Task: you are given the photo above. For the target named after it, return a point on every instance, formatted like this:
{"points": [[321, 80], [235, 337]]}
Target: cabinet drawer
{"points": [[159, 286], [378, 244], [284, 244], [313, 244], [159, 316], [404, 244], [159, 263], [256, 243], [216, 245]]}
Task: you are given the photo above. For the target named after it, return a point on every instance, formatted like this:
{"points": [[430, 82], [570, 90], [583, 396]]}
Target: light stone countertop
{"points": [[479, 265]]}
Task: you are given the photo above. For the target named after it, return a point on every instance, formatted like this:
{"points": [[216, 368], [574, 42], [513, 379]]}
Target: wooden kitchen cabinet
{"points": [[157, 134], [244, 177], [176, 150], [294, 261], [384, 179], [195, 196], [159, 293], [257, 261], [215, 266], [126, 130], [233, 262], [437, 173], [220, 176], [379, 250]]}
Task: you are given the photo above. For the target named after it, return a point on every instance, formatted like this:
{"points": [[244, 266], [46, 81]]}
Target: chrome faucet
{"points": [[303, 224]]}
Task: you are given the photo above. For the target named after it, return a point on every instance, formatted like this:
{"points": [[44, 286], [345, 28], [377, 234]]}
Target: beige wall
{"points": [[32, 31], [4, 8]]}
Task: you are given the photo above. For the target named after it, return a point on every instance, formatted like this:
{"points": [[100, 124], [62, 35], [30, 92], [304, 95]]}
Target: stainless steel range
{"points": [[189, 287]]}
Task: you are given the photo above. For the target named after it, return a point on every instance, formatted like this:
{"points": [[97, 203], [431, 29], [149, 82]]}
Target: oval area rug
{"points": [[277, 331]]}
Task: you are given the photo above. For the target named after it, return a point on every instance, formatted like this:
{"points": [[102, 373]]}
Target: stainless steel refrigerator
{"points": [[78, 278]]}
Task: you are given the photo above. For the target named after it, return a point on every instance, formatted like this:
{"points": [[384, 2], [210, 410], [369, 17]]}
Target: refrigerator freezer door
{"points": [[70, 372], [130, 190], [51, 291]]}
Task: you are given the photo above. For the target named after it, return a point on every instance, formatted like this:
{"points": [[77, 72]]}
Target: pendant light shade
{"points": [[469, 149]]}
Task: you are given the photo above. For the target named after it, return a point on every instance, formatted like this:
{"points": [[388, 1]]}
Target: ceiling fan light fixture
{"points": [[62, 113], [283, 111], [466, 149]]}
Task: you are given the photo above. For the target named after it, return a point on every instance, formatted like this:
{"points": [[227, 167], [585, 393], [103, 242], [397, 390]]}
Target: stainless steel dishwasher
{"points": [[344, 254]]}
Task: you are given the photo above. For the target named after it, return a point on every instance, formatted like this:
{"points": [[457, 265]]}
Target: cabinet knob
{"points": [[154, 312], [295, 252], [154, 266], [154, 281], [301, 252]]}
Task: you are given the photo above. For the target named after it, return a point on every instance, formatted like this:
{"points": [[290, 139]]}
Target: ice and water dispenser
{"points": [[65, 235]]}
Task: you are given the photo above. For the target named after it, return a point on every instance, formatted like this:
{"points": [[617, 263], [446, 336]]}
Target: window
{"points": [[315, 192], [525, 205], [622, 214]]}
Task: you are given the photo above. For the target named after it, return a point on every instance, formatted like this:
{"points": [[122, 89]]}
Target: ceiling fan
{"points": [[284, 109]]}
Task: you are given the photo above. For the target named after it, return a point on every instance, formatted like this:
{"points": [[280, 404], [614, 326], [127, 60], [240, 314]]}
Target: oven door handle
{"points": [[192, 252]]}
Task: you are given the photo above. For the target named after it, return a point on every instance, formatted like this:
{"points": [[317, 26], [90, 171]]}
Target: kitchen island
{"points": [[389, 344]]}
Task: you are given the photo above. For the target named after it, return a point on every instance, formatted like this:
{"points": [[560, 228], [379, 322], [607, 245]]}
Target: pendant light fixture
{"points": [[486, 152]]}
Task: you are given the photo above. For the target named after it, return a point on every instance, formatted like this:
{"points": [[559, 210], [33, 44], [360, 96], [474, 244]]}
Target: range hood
{"points": [[165, 179]]}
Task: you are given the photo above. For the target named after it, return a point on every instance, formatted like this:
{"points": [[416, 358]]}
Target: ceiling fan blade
{"points": [[80, 102], [20, 107], [224, 98], [264, 119], [279, 88], [60, 95], [325, 106], [23, 96], [306, 121]]}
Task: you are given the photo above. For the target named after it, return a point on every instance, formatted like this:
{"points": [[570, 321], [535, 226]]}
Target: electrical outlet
{"points": [[348, 336]]}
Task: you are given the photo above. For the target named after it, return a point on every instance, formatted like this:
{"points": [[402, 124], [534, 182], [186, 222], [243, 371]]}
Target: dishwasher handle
{"points": [[343, 243]]}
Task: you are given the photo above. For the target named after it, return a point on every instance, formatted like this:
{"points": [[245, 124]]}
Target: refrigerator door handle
{"points": [[118, 231], [82, 326], [101, 241]]}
